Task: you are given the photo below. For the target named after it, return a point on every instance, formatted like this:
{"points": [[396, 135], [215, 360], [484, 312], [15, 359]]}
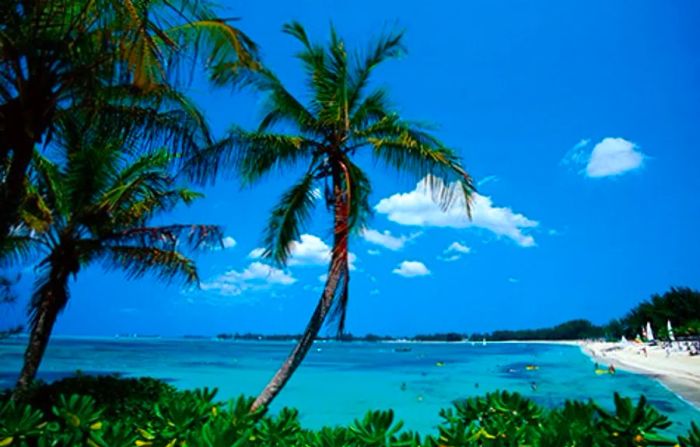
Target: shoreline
{"points": [[679, 372]]}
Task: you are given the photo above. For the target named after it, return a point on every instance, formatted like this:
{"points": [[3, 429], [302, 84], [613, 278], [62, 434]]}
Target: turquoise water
{"points": [[340, 381]]}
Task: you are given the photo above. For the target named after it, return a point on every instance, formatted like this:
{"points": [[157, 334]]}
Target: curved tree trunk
{"points": [[337, 269], [53, 298], [38, 340]]}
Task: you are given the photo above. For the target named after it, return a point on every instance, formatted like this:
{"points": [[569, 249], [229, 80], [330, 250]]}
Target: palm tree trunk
{"points": [[338, 268], [53, 299], [38, 340]]}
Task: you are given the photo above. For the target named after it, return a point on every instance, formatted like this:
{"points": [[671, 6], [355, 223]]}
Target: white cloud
{"points": [[257, 276], [374, 292], [613, 156], [386, 239], [323, 278], [513, 280], [309, 250], [373, 252], [457, 247], [228, 242], [256, 253], [410, 269], [610, 157], [417, 208], [454, 252]]}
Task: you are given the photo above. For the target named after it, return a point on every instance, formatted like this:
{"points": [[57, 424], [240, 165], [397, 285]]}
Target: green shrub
{"points": [[148, 413]]}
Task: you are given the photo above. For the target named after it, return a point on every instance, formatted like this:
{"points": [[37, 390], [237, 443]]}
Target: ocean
{"points": [[339, 382]]}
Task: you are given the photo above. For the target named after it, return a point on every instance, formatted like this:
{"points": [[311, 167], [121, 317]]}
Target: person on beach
{"points": [[611, 369]]}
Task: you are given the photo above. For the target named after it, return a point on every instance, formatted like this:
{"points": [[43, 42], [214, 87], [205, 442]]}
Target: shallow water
{"points": [[340, 381]]}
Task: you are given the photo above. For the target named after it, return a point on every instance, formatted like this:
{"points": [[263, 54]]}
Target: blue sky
{"points": [[578, 120]]}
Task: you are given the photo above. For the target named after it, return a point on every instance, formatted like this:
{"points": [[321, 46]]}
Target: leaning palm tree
{"points": [[343, 118], [95, 206], [61, 55]]}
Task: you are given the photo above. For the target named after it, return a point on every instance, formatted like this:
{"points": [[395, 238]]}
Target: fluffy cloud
{"points": [[373, 252], [386, 239], [457, 247], [418, 208], [257, 276], [610, 157], [228, 242], [309, 250], [410, 269]]}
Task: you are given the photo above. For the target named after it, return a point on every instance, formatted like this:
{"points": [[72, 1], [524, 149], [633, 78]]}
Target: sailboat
{"points": [[650, 333]]}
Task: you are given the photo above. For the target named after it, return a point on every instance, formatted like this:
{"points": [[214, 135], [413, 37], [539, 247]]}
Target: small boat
{"points": [[532, 367], [439, 364]]}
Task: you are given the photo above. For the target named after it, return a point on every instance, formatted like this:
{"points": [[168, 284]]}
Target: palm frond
{"points": [[226, 49], [137, 261], [407, 148], [288, 218], [19, 249], [252, 154], [386, 47], [167, 237]]}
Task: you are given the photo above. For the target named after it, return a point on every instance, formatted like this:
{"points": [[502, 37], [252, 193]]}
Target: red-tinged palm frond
{"points": [[288, 217]]}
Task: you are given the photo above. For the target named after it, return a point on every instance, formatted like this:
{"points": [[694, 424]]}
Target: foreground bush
{"points": [[113, 412]]}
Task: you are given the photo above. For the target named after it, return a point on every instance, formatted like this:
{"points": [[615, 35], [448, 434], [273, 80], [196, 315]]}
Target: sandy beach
{"points": [[676, 370]]}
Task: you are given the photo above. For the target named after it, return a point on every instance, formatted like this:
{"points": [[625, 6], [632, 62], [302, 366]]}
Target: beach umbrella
{"points": [[650, 333], [670, 331]]}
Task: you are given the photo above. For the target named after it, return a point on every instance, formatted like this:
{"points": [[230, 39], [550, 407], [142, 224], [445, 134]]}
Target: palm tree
{"points": [[57, 56], [343, 118], [95, 206]]}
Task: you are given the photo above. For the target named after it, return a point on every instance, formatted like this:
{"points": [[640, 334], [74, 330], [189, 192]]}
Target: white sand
{"points": [[678, 371]]}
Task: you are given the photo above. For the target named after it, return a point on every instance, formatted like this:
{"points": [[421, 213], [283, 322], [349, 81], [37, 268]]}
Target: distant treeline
{"points": [[450, 336], [680, 306]]}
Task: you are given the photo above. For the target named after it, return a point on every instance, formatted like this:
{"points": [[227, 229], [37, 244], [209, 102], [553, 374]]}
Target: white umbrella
{"points": [[650, 333], [670, 330]]}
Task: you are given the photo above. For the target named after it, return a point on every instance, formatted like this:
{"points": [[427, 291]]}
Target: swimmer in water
{"points": [[533, 385], [403, 386]]}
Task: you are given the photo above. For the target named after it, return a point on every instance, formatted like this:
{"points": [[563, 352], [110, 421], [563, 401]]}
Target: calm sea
{"points": [[340, 381]]}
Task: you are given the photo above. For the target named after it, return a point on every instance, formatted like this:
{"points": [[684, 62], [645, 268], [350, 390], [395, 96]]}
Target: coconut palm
{"points": [[343, 118], [92, 207], [60, 55]]}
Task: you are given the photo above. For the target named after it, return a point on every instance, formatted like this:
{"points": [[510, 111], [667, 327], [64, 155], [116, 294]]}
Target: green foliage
{"points": [[167, 417], [692, 439], [680, 306]]}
